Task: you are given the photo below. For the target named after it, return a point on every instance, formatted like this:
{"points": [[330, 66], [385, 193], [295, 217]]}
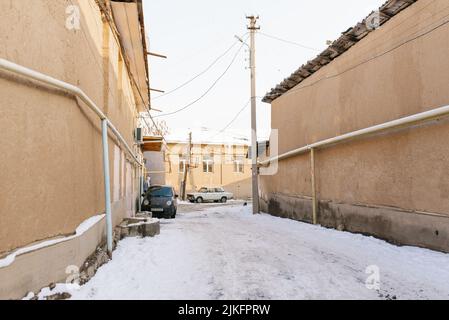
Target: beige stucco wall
{"points": [[223, 174], [36, 269], [155, 166], [50, 146], [405, 169]]}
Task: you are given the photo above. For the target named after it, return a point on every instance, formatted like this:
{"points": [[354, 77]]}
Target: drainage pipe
{"points": [[141, 189], [107, 184], [105, 124], [312, 174]]}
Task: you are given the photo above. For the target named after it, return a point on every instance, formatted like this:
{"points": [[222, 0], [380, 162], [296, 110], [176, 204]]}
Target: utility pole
{"points": [[187, 168], [255, 170]]}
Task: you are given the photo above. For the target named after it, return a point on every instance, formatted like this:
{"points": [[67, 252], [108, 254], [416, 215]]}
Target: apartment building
{"points": [[213, 163]]}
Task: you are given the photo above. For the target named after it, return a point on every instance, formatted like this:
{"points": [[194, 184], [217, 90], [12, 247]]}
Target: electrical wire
{"points": [[140, 93], [143, 100], [133, 51], [234, 119], [288, 41], [370, 59], [201, 73], [107, 84], [207, 91]]}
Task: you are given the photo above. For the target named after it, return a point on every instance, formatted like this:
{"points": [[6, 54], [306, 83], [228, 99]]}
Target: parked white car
{"points": [[210, 195]]}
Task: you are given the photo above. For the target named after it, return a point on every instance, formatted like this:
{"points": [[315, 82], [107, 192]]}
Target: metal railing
{"points": [[105, 124]]}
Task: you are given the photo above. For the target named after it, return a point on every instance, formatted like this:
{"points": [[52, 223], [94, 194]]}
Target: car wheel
{"points": [[174, 214], [224, 200], [199, 200]]}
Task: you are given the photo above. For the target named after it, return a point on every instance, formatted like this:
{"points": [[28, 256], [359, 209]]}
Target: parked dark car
{"points": [[162, 201]]}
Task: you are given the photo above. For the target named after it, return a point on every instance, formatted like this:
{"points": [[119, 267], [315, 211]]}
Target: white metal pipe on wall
{"points": [[395, 124], [404, 122], [68, 88], [107, 184], [106, 123]]}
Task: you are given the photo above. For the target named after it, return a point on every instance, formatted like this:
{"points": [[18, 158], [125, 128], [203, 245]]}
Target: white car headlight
{"points": [[146, 203], [169, 203]]}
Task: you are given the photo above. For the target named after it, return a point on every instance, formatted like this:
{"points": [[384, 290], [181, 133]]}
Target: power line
{"points": [[100, 69], [140, 93], [131, 77], [199, 74], [234, 119], [289, 42], [207, 91], [370, 59], [133, 80], [141, 96]]}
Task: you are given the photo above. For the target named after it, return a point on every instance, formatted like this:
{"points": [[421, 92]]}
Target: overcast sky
{"points": [[194, 33]]}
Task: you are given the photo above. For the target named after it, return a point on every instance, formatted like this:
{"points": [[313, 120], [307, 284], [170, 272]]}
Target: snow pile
{"points": [[60, 288]]}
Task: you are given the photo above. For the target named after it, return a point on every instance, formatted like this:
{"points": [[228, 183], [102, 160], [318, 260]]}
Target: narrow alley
{"points": [[189, 153], [224, 252]]}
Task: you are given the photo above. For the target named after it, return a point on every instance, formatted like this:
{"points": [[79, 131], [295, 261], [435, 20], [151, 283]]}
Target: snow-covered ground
{"points": [[224, 252]]}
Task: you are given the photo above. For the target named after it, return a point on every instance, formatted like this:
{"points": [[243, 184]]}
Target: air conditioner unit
{"points": [[139, 135]]}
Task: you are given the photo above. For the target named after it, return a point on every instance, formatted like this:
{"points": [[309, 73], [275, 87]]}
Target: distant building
{"points": [[392, 185], [214, 163]]}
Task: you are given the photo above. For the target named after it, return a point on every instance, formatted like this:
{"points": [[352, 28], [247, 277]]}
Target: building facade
{"points": [[391, 185], [51, 165], [212, 165]]}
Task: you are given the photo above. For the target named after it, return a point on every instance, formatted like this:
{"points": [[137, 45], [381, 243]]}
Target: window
{"points": [[238, 165], [161, 192], [219, 190], [208, 164], [182, 163]]}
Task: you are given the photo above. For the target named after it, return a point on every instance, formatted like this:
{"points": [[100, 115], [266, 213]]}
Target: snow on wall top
{"points": [[209, 136]]}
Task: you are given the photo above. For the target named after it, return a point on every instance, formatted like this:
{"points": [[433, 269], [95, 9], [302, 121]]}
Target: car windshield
{"points": [[161, 192]]}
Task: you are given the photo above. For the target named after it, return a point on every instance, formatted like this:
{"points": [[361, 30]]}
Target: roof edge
{"points": [[347, 40]]}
